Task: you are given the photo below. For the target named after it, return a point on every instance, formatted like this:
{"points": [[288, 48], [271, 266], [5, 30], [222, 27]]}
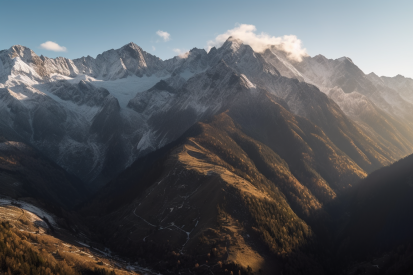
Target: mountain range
{"points": [[239, 158]]}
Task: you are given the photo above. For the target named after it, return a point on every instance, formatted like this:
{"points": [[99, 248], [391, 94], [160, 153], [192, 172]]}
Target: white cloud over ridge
{"points": [[181, 53], [260, 42], [52, 46], [164, 35]]}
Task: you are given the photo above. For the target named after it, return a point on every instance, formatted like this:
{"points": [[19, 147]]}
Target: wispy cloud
{"points": [[181, 53], [164, 35], [153, 48], [52, 46], [260, 42]]}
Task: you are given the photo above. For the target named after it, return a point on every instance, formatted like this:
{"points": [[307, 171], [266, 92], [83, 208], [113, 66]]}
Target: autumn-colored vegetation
{"points": [[21, 253]]}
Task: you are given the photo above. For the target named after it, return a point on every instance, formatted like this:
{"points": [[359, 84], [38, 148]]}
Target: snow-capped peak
{"points": [[233, 43], [116, 95]]}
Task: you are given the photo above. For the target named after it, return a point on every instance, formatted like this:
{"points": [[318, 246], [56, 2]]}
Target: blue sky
{"points": [[376, 35]]}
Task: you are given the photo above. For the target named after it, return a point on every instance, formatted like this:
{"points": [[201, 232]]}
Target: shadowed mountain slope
{"points": [[381, 210], [229, 184], [25, 172]]}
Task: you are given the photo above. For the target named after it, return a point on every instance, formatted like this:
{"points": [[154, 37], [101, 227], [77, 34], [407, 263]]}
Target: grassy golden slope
{"points": [[28, 247]]}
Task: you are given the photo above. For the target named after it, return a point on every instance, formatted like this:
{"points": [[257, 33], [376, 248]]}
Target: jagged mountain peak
{"points": [[192, 62], [320, 57], [19, 48], [212, 51], [191, 54], [25, 53], [233, 39], [197, 53], [128, 48], [196, 50], [237, 55], [345, 59], [400, 76], [374, 77], [20, 61], [233, 44], [131, 47], [373, 74]]}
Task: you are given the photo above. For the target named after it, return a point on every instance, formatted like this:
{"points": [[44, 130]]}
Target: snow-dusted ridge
{"points": [[95, 116], [83, 103]]}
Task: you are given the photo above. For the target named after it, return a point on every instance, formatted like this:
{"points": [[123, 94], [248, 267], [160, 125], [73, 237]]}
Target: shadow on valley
{"points": [[232, 197]]}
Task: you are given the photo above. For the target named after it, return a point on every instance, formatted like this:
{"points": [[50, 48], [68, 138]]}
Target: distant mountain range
{"points": [[94, 117], [245, 158]]}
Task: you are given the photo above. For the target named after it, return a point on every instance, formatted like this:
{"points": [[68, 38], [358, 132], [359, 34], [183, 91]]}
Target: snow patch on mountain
{"points": [[126, 88], [79, 111]]}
